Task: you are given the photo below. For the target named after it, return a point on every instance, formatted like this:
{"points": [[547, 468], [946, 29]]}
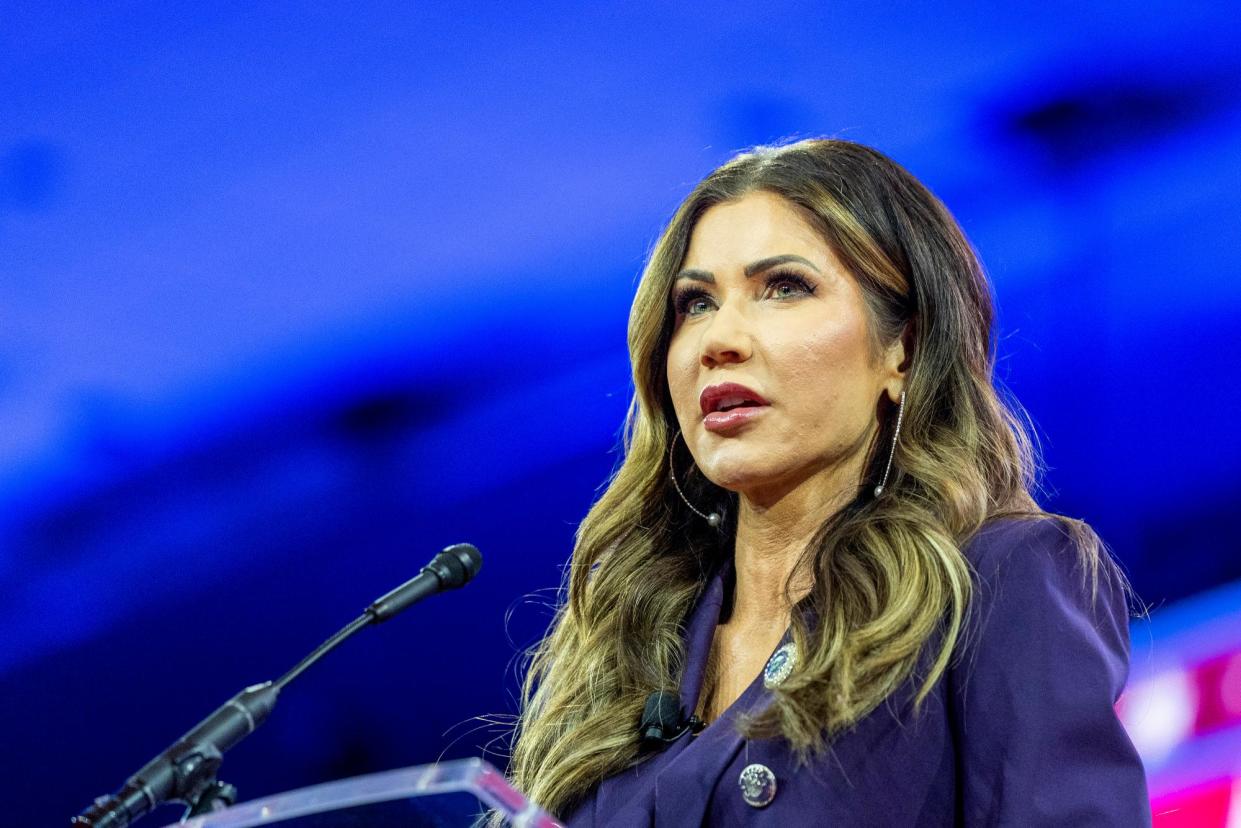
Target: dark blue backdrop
{"points": [[292, 297]]}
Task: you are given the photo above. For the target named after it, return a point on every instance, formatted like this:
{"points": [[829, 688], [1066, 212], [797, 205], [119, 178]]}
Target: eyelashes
{"points": [[683, 299], [799, 284], [693, 300]]}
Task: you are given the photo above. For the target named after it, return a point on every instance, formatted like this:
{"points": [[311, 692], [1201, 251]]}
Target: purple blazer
{"points": [[1021, 731]]}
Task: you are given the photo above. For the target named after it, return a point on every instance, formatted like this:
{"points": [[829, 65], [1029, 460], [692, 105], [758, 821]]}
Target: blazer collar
{"points": [[699, 633]]}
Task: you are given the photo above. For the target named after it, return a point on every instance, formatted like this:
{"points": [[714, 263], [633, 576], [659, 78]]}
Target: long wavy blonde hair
{"points": [[890, 581]]}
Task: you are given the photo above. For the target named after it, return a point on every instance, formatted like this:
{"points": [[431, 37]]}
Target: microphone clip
{"points": [[663, 721]]}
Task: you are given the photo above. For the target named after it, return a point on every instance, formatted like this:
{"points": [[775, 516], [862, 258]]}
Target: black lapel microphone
{"points": [[663, 721]]}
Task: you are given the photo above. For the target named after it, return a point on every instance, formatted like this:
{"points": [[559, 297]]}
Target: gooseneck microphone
{"points": [[451, 569], [186, 771]]}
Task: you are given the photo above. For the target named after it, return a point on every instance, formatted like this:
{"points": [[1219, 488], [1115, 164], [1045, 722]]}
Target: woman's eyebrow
{"points": [[774, 261], [696, 275]]}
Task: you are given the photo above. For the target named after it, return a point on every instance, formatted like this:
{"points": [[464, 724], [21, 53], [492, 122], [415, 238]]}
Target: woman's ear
{"points": [[896, 363]]}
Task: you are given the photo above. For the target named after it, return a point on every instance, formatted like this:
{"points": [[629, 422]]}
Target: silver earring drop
{"points": [[896, 432], [715, 518]]}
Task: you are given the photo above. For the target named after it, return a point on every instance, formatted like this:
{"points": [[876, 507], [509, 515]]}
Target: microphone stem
{"points": [[326, 647]]}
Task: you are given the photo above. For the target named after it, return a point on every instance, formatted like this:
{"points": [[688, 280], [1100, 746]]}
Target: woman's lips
{"points": [[727, 422], [729, 406], [727, 395]]}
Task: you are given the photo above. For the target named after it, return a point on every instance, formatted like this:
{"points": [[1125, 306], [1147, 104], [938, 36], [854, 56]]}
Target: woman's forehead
{"points": [[757, 226]]}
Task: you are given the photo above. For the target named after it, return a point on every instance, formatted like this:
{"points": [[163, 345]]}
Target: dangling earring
{"points": [[715, 518], [896, 432]]}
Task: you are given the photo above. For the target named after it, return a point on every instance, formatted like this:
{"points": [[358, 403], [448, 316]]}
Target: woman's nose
{"points": [[728, 337]]}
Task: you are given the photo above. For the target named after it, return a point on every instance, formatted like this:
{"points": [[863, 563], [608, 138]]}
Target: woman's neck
{"points": [[772, 535]]}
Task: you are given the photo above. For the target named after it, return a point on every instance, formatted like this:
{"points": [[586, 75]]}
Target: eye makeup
{"points": [[687, 294]]}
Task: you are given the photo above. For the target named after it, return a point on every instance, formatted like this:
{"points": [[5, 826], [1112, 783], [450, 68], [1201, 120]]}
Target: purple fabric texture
{"points": [[1021, 731]]}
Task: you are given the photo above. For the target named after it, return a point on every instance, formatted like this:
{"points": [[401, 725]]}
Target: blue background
{"points": [[292, 297]]}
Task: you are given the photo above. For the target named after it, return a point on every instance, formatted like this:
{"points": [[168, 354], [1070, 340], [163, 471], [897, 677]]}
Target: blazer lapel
{"points": [[685, 786], [699, 633]]}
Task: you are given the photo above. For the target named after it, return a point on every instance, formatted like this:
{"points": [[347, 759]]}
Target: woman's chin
{"points": [[740, 478]]}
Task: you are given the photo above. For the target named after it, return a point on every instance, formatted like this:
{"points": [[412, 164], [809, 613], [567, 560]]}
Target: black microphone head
{"points": [[456, 565], [661, 717], [469, 556]]}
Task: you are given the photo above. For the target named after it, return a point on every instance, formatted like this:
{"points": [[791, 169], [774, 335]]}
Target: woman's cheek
{"points": [[681, 380], [824, 375]]}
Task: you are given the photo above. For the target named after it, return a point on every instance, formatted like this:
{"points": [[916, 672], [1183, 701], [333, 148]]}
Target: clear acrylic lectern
{"points": [[446, 794]]}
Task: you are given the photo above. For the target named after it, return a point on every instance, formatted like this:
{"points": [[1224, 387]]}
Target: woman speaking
{"points": [[822, 544]]}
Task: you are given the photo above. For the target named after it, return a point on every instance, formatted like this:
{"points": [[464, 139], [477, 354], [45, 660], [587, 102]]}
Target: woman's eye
{"points": [[787, 286], [692, 303]]}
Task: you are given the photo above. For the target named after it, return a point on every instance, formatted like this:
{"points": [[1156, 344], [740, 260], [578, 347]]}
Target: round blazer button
{"points": [[758, 785], [780, 665]]}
